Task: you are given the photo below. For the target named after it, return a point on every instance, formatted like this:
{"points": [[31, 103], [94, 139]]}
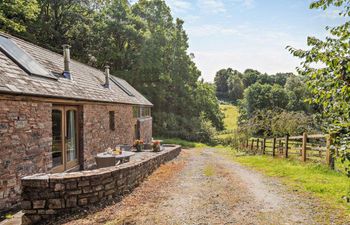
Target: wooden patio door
{"points": [[64, 138]]}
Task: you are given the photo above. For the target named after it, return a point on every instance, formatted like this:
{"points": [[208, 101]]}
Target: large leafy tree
{"points": [[250, 77], [330, 80], [15, 14], [141, 42], [235, 88], [221, 82]]}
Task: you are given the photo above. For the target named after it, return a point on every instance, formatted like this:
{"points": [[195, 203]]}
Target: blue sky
{"points": [[249, 33]]}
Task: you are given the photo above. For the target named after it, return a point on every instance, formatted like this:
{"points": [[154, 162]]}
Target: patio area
{"points": [[48, 195]]}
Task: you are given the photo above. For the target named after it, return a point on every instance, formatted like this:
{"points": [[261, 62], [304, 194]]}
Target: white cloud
{"points": [[212, 6], [179, 5], [248, 3]]}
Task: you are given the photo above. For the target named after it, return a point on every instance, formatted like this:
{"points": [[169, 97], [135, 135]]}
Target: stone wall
{"points": [[97, 135], [26, 139], [146, 129], [25, 145], [46, 196]]}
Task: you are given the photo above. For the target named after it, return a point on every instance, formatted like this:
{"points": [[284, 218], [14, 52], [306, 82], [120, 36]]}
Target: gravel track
{"points": [[203, 187]]}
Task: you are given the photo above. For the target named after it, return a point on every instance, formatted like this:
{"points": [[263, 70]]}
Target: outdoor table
{"points": [[106, 159]]}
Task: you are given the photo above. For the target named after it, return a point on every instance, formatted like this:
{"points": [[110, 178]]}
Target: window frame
{"points": [[111, 116]]}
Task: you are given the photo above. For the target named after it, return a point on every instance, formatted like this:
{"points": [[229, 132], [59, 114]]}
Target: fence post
{"points": [[257, 145], [252, 145], [247, 144], [280, 147], [330, 152], [264, 146], [286, 147], [303, 150], [274, 147]]}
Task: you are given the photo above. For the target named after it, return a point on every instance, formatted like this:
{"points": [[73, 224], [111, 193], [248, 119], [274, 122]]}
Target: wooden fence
{"points": [[315, 147]]}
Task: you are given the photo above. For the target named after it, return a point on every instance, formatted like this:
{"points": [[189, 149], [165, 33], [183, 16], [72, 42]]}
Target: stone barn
{"points": [[56, 114]]}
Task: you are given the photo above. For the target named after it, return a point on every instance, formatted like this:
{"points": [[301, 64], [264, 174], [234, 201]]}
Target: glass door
{"points": [[57, 139], [71, 136], [64, 138]]}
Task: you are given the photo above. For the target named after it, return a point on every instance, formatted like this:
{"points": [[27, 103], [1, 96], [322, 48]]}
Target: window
{"points": [[111, 120], [136, 111], [145, 112], [141, 111], [23, 59]]}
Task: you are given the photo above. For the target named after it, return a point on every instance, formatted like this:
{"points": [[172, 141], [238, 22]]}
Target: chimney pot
{"points": [[66, 56], [107, 76]]}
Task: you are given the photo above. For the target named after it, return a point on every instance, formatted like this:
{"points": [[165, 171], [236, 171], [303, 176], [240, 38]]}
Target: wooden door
{"points": [[64, 138]]}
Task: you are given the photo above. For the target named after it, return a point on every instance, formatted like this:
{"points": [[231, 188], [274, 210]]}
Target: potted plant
{"points": [[138, 144], [156, 146]]}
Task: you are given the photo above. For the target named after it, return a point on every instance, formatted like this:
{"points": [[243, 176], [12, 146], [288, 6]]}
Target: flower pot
{"points": [[139, 148]]}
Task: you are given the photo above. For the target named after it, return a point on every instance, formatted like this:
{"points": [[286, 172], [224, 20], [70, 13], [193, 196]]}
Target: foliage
{"points": [[15, 14], [141, 42], [231, 84], [250, 77], [221, 82], [277, 123], [235, 88], [314, 178], [264, 96], [326, 65], [297, 94]]}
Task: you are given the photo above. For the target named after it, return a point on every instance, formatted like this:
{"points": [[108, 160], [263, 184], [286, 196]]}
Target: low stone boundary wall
{"points": [[45, 196]]}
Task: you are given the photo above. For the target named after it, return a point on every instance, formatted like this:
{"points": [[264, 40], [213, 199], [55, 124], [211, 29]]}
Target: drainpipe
{"points": [[66, 56], [107, 77]]}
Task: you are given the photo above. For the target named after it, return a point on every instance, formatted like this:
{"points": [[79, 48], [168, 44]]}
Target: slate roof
{"points": [[87, 83]]}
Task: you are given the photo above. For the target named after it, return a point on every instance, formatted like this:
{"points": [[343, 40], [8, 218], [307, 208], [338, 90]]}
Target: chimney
{"points": [[107, 76], [66, 56]]}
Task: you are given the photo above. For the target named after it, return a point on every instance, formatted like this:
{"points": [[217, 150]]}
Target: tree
{"points": [[141, 42], [221, 82], [235, 88], [123, 37], [250, 77], [279, 97], [257, 96], [330, 83], [15, 14], [281, 78], [297, 94]]}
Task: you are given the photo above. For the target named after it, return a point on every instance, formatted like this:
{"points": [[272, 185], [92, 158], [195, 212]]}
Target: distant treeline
{"points": [[141, 42], [268, 104]]}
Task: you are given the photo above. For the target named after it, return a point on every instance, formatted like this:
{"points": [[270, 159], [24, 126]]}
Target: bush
{"points": [[267, 123], [190, 129]]}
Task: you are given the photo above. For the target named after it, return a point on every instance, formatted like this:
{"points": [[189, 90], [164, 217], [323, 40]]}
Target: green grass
{"points": [[231, 116], [310, 177], [209, 170]]}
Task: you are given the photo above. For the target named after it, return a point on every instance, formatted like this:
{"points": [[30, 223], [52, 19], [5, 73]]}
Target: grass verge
{"points": [[231, 116], [315, 178]]}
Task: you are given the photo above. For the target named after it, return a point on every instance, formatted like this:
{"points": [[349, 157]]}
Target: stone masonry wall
{"points": [[97, 136], [46, 196], [25, 145], [146, 129]]}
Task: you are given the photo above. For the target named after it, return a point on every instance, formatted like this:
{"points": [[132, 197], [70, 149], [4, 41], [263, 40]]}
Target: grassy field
{"points": [[231, 116], [314, 178]]}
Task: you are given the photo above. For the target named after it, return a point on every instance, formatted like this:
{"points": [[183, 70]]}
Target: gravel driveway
{"points": [[203, 187]]}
